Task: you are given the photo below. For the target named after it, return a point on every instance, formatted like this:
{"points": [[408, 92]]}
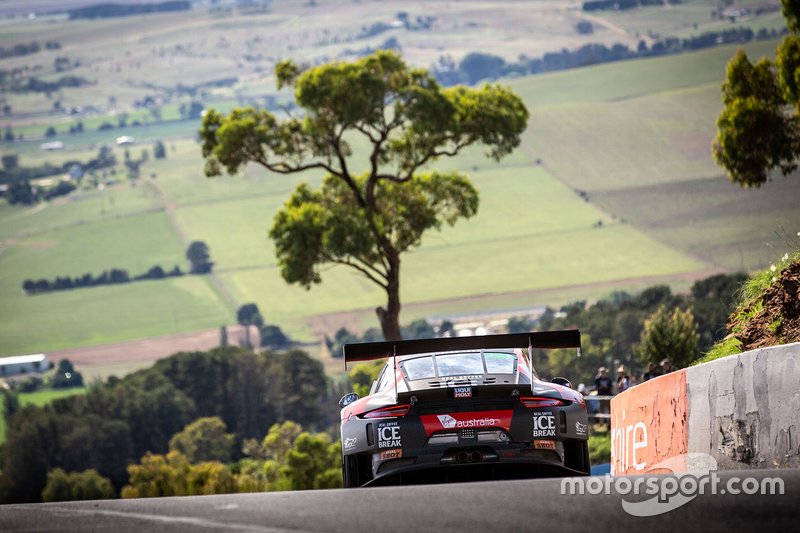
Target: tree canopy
{"points": [[365, 218], [199, 258], [759, 127], [669, 335]]}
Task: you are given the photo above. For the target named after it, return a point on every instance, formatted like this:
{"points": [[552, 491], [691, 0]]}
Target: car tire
{"points": [[350, 474], [576, 456]]}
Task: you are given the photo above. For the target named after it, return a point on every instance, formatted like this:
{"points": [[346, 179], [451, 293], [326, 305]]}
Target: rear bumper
{"points": [[503, 469]]}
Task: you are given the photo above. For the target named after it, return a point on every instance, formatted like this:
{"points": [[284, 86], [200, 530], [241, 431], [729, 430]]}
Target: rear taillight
{"points": [[534, 402], [388, 412]]}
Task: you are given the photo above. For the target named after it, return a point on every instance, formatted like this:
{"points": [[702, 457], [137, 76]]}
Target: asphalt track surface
{"points": [[519, 506]]}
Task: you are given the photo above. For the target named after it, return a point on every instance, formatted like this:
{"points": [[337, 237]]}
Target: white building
{"points": [[23, 364]]}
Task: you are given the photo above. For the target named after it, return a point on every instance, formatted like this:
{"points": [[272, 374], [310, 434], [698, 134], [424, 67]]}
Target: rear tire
{"points": [[576, 456], [351, 476]]}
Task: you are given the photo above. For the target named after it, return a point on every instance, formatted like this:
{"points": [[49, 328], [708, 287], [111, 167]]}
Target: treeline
{"points": [[117, 423], [38, 85], [619, 5], [97, 11], [23, 49], [478, 66], [197, 254], [612, 328], [107, 277]]}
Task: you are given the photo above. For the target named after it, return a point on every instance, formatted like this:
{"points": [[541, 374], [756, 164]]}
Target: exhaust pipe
{"points": [[476, 457], [462, 457]]}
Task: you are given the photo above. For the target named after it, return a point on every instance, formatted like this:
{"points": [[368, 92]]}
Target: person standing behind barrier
{"points": [[623, 381], [652, 372], [604, 387], [602, 383], [591, 405]]}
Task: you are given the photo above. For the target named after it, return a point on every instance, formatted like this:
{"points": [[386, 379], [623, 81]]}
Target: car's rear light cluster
{"points": [[533, 402], [388, 412]]}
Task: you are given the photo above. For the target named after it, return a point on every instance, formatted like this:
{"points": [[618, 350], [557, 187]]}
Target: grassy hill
{"points": [[613, 188]]}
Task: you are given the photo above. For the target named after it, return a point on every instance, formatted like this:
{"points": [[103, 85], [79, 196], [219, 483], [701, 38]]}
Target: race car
{"points": [[462, 409]]}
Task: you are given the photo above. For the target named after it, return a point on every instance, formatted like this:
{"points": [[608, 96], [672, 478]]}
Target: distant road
{"points": [[518, 506]]}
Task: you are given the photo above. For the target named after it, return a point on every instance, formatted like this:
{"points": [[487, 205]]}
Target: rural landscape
{"points": [[121, 246]]}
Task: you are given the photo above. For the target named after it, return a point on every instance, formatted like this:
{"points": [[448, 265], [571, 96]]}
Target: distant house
{"points": [[52, 146], [125, 139], [23, 364]]}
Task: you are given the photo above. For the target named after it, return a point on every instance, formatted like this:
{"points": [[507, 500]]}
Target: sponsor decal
{"points": [[391, 454], [389, 435], [641, 435], [581, 429], [462, 392], [452, 379], [350, 443], [544, 445], [447, 421], [544, 424], [470, 420]]}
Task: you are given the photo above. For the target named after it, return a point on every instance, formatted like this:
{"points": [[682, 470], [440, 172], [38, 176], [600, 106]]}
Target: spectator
{"points": [[623, 380], [591, 405], [602, 383], [604, 387], [652, 372], [666, 367]]}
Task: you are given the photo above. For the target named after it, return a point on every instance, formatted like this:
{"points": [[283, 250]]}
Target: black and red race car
{"points": [[462, 409]]}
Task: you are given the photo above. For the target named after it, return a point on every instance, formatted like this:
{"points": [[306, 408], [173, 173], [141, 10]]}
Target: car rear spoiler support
{"points": [[369, 351]]}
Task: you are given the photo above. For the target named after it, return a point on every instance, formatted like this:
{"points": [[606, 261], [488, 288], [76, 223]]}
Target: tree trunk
{"points": [[389, 316]]}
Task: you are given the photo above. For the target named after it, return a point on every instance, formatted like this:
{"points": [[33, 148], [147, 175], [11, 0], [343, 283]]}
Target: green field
{"points": [[612, 188], [36, 398]]}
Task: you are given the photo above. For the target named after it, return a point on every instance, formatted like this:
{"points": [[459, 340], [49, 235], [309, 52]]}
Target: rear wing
{"points": [[368, 351]]}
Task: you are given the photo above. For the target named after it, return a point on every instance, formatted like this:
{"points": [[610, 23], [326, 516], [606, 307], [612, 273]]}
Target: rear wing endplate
{"points": [[368, 351]]}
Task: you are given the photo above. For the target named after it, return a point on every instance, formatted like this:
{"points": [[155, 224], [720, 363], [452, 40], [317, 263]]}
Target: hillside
{"points": [[613, 188], [768, 312]]}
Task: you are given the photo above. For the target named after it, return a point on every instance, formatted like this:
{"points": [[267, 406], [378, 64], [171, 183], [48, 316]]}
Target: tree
{"points": [[757, 130], [362, 376], [199, 258], [419, 329], [669, 335], [10, 161], [223, 337], [300, 460], [365, 220], [10, 405], [249, 315], [66, 376], [273, 337], [157, 475], [204, 439], [520, 324], [21, 192], [159, 150], [86, 485], [50, 132]]}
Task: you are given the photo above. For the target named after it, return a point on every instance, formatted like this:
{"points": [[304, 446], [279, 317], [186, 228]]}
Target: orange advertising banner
{"points": [[649, 427]]}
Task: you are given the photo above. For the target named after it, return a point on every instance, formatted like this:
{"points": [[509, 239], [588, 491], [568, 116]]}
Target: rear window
{"points": [[459, 364], [419, 368]]}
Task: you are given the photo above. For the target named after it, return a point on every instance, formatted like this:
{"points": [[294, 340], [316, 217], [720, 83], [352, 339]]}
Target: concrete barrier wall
{"points": [[743, 410]]}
